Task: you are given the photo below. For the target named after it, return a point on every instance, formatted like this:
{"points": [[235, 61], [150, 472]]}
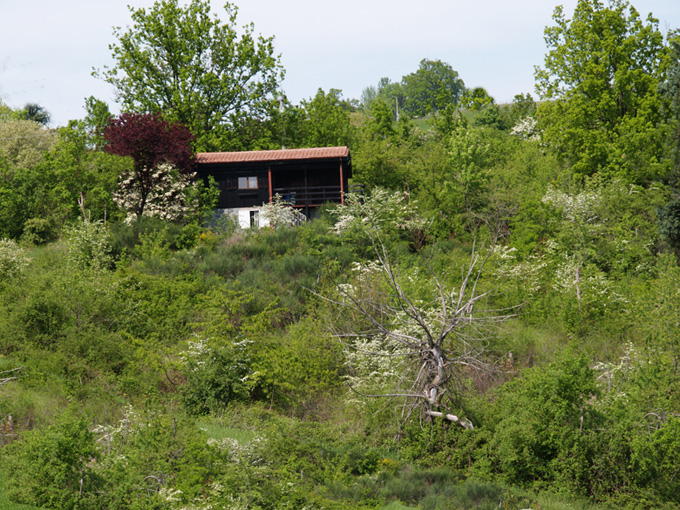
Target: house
{"points": [[306, 178]]}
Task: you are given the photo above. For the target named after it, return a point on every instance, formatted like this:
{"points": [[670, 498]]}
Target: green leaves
{"points": [[600, 83], [52, 468], [193, 67], [431, 88]]}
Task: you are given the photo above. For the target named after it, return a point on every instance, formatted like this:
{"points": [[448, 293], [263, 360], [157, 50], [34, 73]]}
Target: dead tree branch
{"points": [[437, 340]]}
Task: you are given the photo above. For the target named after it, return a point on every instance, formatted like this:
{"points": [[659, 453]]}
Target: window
{"points": [[247, 183]]}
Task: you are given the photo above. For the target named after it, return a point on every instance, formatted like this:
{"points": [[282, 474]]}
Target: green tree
{"points": [[600, 83], [476, 98], [23, 143], [98, 117], [381, 123], [455, 186], [328, 122], [671, 91], [669, 214], [523, 106], [432, 87], [547, 420], [36, 113], [6, 112], [194, 68], [368, 95]]}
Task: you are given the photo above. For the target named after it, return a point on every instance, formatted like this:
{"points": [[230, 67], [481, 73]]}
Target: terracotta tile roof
{"points": [[275, 155]]}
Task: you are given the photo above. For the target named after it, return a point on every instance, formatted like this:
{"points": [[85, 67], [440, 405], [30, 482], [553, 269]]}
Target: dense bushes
{"points": [[160, 327], [53, 467]]}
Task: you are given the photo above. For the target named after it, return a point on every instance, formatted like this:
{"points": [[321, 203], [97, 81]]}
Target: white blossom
{"points": [[166, 200], [527, 129], [580, 208], [280, 214], [383, 209], [13, 259]]}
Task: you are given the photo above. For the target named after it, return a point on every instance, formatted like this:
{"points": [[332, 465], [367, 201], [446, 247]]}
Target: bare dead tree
{"points": [[438, 340]]}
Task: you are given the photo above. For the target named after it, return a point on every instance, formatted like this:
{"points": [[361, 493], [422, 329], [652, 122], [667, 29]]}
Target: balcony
{"points": [[311, 196]]}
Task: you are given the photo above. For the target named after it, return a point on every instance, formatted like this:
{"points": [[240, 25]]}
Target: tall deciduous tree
{"points": [[432, 87], [328, 121], [195, 69], [600, 81], [670, 89], [669, 214], [23, 143], [477, 98], [151, 141]]}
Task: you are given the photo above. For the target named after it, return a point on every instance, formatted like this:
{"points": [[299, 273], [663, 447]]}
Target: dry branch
{"points": [[437, 340]]}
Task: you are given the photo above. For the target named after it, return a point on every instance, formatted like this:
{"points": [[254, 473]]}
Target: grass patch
{"points": [[218, 432]]}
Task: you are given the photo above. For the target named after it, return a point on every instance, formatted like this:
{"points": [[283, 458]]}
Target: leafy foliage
{"points": [[601, 79], [328, 123], [198, 70], [431, 88], [52, 468], [13, 259], [162, 155], [184, 363]]}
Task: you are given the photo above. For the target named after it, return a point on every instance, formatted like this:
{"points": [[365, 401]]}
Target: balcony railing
{"points": [[310, 196]]}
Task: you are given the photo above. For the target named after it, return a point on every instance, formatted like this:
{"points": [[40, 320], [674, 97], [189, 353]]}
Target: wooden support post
{"points": [[271, 196], [342, 185]]}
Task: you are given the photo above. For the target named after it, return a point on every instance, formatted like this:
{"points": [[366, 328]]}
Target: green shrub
{"points": [[88, 245], [52, 468], [38, 231], [45, 318], [215, 377], [547, 430]]}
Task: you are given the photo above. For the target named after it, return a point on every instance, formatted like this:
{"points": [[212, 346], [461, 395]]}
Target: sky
{"points": [[48, 48]]}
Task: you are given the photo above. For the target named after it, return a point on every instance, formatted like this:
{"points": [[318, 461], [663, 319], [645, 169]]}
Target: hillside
{"points": [[489, 319]]}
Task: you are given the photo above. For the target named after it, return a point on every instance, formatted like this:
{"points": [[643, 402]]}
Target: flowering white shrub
{"points": [[613, 374], [194, 357], [382, 210], [526, 273], [374, 366], [112, 438], [13, 259], [249, 453], [280, 214], [166, 200], [578, 208], [527, 129]]}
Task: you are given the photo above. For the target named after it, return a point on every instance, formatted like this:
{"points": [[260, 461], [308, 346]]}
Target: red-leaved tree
{"points": [[162, 154]]}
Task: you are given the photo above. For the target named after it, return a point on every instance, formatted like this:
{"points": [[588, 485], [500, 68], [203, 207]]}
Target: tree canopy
{"points": [[36, 113], [432, 87], [194, 68], [600, 78], [151, 141], [328, 122]]}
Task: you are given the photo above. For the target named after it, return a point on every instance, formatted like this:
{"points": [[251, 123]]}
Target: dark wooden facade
{"points": [[307, 178]]}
